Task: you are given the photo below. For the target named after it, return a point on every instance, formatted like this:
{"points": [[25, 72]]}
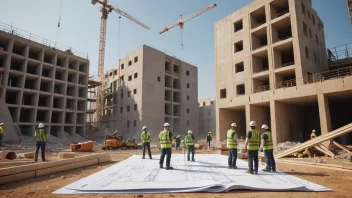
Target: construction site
{"points": [[272, 66]]}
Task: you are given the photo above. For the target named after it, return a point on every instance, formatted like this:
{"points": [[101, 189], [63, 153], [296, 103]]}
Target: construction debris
{"points": [[284, 146]]}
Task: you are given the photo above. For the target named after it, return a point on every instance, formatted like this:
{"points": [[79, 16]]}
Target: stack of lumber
{"points": [[27, 171], [317, 142]]}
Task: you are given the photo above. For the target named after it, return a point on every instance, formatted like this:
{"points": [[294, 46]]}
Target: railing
{"points": [[287, 83], [283, 38], [282, 13], [259, 24], [32, 37], [168, 72], [263, 70], [285, 65], [261, 88], [340, 52], [258, 47]]}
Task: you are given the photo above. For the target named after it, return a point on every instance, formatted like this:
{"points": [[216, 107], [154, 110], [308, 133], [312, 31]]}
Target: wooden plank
{"points": [[322, 150], [342, 147], [17, 177], [316, 165], [6, 164], [327, 150], [48, 171], [318, 140], [104, 159], [38, 166]]}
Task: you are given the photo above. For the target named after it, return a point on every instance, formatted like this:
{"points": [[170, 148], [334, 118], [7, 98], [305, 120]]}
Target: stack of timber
{"points": [[317, 142], [32, 170]]}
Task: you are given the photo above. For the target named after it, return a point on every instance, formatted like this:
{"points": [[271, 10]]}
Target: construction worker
{"points": [[209, 139], [1, 132], [178, 141], [189, 143], [267, 144], [313, 134], [252, 145], [165, 138], [232, 146], [145, 136], [41, 138]]}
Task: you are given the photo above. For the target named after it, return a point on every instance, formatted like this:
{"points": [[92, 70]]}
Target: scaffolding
{"points": [[92, 119]]}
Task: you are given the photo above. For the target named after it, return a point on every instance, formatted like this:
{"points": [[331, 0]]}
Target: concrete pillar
{"points": [[273, 126], [324, 114], [248, 117]]}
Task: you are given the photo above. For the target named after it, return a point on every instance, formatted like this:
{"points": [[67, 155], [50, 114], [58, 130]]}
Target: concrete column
{"points": [[324, 114], [273, 122], [248, 117]]}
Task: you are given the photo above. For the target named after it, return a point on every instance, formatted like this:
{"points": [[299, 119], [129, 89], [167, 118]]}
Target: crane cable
{"points": [[59, 21]]}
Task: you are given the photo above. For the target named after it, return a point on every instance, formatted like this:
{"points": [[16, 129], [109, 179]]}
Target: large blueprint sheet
{"points": [[208, 174]]}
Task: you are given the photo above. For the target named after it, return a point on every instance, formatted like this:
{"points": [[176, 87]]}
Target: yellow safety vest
{"points": [[39, 135], [189, 140], [165, 141], [268, 144], [254, 141], [145, 137], [313, 135], [232, 144], [1, 130]]}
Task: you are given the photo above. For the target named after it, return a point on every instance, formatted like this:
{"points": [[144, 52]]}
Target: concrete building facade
{"points": [[207, 117], [150, 88], [41, 84], [271, 67]]}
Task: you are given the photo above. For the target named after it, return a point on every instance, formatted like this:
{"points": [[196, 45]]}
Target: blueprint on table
{"points": [[208, 174]]}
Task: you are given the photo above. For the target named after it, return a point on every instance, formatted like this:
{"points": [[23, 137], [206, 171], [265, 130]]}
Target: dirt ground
{"points": [[340, 182]]}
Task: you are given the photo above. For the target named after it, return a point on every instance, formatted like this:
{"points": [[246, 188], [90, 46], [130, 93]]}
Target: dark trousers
{"points": [[209, 144], [178, 141], [190, 150], [253, 156], [167, 152], [0, 141], [232, 157], [147, 144], [269, 160], [40, 145]]}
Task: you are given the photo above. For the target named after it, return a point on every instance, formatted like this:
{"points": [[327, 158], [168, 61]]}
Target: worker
{"points": [[41, 138], [189, 143], [252, 145], [209, 139], [313, 134], [232, 146], [178, 141], [267, 144], [145, 136], [1, 133], [165, 138]]}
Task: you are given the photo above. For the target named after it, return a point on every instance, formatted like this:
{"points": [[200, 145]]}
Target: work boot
{"points": [[230, 167], [266, 170], [234, 167], [273, 170], [169, 168], [193, 160], [150, 157], [256, 172], [249, 172], [161, 166], [143, 157]]}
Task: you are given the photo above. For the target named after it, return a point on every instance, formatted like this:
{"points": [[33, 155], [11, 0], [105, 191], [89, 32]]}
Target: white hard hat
{"points": [[144, 127], [1, 124], [233, 124], [265, 126], [189, 131], [252, 124], [166, 124], [313, 131], [41, 125]]}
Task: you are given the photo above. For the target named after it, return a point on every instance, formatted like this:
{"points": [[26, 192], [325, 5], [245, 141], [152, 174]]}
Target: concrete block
{"points": [[29, 155], [223, 152], [17, 177], [66, 155]]}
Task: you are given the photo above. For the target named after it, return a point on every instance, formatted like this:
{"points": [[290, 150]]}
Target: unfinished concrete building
{"points": [[207, 117], [150, 88], [40, 84], [271, 67]]}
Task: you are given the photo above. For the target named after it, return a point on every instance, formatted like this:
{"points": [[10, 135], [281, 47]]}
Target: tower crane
{"points": [[181, 22], [106, 8]]}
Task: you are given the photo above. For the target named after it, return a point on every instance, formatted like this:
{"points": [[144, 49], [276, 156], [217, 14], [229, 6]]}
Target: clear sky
{"points": [[80, 27]]}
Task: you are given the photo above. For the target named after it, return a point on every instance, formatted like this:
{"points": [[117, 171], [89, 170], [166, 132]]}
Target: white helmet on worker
{"points": [[252, 124], [313, 131], [41, 125], [166, 124], [189, 132], [144, 127], [2, 124], [265, 126], [233, 124]]}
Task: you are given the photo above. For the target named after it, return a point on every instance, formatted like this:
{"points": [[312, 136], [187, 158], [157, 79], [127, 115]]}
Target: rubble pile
{"points": [[284, 146], [343, 155], [101, 133]]}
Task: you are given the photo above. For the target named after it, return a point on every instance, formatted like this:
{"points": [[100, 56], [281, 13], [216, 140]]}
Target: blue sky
{"points": [[80, 26]]}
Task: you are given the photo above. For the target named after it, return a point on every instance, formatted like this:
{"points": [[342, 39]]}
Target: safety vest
{"points": [[232, 144], [268, 144], [1, 130], [254, 141], [313, 135], [189, 140], [145, 137], [165, 141], [39, 135]]}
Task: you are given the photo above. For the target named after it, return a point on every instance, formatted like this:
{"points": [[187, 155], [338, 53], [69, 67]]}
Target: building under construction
{"points": [[41, 82], [150, 88], [272, 67]]}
